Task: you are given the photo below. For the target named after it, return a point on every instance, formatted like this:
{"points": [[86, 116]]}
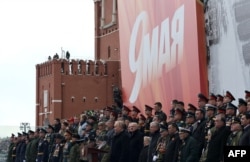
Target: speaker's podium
{"points": [[94, 153]]}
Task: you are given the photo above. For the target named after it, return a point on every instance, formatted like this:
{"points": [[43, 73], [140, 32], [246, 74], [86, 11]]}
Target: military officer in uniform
{"points": [[34, 146], [202, 101], [43, 147], [67, 145], [9, 157], [230, 112], [149, 119], [125, 112], [134, 113], [212, 99], [191, 108], [162, 143], [190, 120], [57, 149], [219, 103], [74, 153], [28, 154], [234, 137], [242, 107], [247, 95], [159, 112], [50, 136], [187, 147]]}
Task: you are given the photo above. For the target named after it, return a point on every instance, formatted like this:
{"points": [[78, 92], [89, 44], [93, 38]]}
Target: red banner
{"points": [[160, 49]]}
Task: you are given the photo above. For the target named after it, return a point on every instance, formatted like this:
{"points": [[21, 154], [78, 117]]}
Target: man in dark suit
{"points": [[198, 131], [218, 140], [171, 150], [135, 144], [245, 137], [119, 144], [155, 135]]}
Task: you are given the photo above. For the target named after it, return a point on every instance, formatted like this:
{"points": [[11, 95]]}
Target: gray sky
{"points": [[30, 31]]}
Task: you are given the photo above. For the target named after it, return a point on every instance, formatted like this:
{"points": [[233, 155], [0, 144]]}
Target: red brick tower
{"points": [[65, 88], [106, 30]]}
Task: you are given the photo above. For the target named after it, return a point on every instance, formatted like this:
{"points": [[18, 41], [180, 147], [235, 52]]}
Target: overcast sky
{"points": [[30, 31]]}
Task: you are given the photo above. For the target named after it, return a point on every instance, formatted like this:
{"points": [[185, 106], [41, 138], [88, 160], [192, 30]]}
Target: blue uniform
{"points": [[42, 151]]}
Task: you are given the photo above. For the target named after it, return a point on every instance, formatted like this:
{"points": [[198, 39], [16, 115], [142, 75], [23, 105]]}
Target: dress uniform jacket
{"points": [[27, 152], [14, 152], [245, 137], [9, 156], [234, 138], [66, 150], [188, 150], [18, 151], [74, 154], [33, 149], [57, 153], [43, 151]]}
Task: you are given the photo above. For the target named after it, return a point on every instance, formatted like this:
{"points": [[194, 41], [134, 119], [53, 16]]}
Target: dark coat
{"points": [[245, 137], [199, 134], [135, 145], [172, 148], [144, 154], [189, 150], [119, 148], [152, 146], [216, 144]]}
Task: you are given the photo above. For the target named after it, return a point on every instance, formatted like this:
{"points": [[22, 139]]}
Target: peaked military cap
{"points": [[148, 108], [210, 107], [219, 97], [191, 107], [38, 130], [190, 115], [136, 109], [142, 117], [69, 132], [51, 127], [25, 134], [221, 110], [19, 134], [184, 130], [179, 110], [108, 108], [126, 108], [43, 131], [247, 93], [235, 120], [242, 102], [212, 96], [163, 126], [12, 135], [31, 132], [202, 97], [229, 95], [231, 106]]}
